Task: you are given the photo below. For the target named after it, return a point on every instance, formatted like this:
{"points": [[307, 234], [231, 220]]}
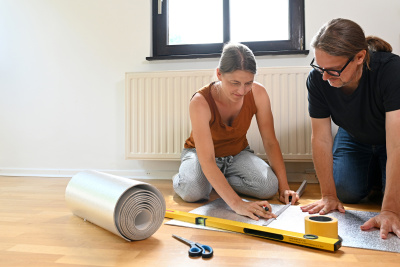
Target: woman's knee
{"points": [[263, 185], [192, 188], [267, 181], [194, 196], [269, 187]]}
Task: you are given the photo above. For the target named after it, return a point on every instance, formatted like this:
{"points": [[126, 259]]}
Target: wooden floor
{"points": [[37, 229]]}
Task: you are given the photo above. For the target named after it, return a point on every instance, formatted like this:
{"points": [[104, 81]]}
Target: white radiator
{"points": [[157, 112]]}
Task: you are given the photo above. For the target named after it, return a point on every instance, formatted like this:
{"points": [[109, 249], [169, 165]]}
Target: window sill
{"points": [[217, 55]]}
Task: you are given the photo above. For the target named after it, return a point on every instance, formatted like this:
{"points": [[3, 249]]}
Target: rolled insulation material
{"points": [[131, 209]]}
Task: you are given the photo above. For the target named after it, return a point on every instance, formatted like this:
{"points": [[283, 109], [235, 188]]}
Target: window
{"points": [[196, 29]]}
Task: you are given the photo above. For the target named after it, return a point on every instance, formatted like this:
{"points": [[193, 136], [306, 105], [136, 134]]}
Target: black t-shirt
{"points": [[361, 114]]}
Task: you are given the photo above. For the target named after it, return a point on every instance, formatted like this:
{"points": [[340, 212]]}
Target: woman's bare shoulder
{"points": [[258, 88]]}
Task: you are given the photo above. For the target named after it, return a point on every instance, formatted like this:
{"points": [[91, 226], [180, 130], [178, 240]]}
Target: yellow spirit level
{"points": [[313, 241]]}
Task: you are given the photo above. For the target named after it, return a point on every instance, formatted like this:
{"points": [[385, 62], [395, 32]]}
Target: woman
{"points": [[217, 154], [356, 83]]}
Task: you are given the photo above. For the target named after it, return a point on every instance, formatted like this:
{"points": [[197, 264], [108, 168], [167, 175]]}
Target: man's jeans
{"points": [[357, 167]]}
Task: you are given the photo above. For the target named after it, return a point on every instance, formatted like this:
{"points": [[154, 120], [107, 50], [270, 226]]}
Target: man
{"points": [[356, 83]]}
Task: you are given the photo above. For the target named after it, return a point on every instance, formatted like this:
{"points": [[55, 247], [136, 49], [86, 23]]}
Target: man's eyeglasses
{"points": [[335, 73]]}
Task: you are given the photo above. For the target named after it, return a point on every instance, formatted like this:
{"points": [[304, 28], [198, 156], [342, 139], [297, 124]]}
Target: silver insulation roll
{"points": [[131, 209]]}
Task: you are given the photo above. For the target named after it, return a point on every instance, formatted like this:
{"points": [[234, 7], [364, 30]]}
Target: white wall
{"points": [[62, 67]]}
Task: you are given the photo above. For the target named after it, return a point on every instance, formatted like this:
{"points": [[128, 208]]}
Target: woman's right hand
{"points": [[254, 210], [323, 206]]}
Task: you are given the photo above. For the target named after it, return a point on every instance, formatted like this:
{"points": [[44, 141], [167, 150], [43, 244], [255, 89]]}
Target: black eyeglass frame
{"points": [[330, 72]]}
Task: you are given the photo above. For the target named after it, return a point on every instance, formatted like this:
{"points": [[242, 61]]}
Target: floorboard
{"points": [[38, 229]]}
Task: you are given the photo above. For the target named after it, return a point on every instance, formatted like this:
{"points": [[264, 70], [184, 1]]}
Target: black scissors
{"points": [[197, 249]]}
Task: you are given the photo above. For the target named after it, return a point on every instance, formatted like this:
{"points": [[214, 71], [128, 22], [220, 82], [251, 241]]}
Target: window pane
{"points": [[259, 20], [195, 22]]}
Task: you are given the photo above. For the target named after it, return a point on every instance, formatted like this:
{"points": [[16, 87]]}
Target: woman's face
{"points": [[235, 85], [349, 77]]}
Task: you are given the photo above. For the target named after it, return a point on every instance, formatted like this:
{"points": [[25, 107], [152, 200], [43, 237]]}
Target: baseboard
{"points": [[134, 174], [296, 177]]}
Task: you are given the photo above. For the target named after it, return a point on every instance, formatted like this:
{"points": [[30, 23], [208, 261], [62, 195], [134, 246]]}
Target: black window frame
{"points": [[161, 49]]}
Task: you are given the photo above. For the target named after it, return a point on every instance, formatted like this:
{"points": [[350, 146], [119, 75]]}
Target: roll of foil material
{"points": [[131, 209]]}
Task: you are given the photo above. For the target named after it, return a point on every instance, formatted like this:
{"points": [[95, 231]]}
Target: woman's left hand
{"points": [[286, 194], [387, 221]]}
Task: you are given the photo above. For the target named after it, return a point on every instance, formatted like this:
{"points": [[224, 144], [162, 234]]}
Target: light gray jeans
{"points": [[246, 173]]}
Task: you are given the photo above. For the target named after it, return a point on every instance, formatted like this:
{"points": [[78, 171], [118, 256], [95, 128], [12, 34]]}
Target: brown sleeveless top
{"points": [[228, 140]]}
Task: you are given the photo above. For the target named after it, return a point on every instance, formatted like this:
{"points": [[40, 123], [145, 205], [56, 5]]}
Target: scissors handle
{"points": [[207, 251], [197, 249]]}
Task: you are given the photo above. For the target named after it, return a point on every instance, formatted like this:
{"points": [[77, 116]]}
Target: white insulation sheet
{"points": [[131, 209]]}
